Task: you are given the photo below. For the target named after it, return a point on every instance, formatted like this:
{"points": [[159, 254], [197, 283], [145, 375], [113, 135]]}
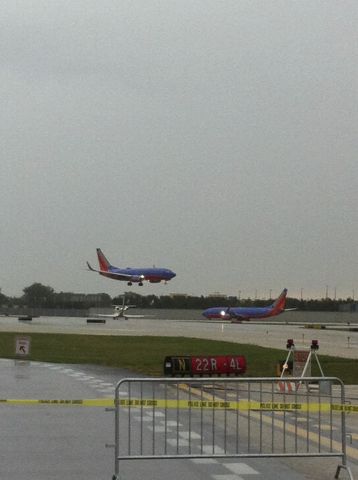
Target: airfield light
{"points": [[314, 345], [290, 343]]}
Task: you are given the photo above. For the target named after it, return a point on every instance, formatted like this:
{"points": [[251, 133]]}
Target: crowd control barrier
{"points": [[177, 418]]}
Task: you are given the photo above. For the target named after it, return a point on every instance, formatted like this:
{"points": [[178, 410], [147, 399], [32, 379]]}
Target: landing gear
{"points": [[129, 284], [140, 284]]}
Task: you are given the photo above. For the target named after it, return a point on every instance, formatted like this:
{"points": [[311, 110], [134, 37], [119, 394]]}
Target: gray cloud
{"points": [[215, 138]]}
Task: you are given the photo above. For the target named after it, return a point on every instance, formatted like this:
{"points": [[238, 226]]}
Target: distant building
{"points": [[349, 307], [217, 295], [81, 297]]}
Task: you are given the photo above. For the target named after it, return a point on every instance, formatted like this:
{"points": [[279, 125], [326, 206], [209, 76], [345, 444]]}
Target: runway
{"points": [[341, 343], [62, 442], [55, 442]]}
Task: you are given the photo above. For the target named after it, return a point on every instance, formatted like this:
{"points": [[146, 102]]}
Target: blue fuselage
{"points": [[227, 313], [152, 274]]}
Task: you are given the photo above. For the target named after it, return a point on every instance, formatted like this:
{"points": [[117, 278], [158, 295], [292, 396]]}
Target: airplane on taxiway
{"points": [[120, 311], [237, 314], [131, 275]]}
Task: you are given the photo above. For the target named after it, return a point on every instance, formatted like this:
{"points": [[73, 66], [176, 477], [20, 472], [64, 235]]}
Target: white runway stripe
{"points": [[188, 435], [156, 414], [181, 442], [227, 477], [208, 449], [240, 468], [204, 460]]}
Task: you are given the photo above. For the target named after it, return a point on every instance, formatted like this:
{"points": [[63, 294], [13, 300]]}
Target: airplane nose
{"points": [[173, 274]]}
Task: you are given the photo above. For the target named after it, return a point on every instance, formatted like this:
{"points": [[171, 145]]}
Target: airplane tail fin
{"points": [[279, 304], [104, 264]]}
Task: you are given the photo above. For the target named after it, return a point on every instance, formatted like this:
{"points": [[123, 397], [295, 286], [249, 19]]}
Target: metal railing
{"points": [[165, 418]]}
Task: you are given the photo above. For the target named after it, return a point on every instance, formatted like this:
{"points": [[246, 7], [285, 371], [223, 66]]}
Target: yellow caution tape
{"points": [[243, 405], [94, 402]]}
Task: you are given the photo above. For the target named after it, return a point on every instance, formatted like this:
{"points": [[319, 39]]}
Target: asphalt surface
{"points": [[342, 343], [41, 442], [56, 442]]}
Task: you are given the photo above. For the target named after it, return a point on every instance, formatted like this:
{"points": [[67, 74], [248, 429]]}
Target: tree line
{"points": [[42, 296]]}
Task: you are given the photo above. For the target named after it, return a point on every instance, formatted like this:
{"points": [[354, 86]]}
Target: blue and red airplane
{"points": [[131, 275], [237, 314]]}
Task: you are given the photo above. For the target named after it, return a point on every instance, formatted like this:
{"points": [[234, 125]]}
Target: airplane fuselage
{"points": [[239, 313], [153, 275], [131, 275]]}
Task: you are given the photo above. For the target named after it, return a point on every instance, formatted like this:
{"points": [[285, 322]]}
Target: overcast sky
{"points": [[215, 138]]}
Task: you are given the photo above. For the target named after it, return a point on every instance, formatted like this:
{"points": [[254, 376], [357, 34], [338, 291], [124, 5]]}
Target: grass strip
{"points": [[145, 354]]}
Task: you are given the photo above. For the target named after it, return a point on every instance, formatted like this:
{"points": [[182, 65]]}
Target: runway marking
{"points": [[226, 477], [314, 437], [159, 429], [93, 382], [191, 435], [172, 423], [180, 442], [240, 468], [204, 460], [155, 414], [184, 441], [209, 449], [326, 428], [301, 419], [85, 378], [142, 419]]}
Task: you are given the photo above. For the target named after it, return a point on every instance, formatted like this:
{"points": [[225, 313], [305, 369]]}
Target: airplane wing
{"points": [[119, 317], [124, 316], [124, 276]]}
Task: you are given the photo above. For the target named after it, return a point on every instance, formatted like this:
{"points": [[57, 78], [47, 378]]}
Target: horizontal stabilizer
{"points": [[91, 268]]}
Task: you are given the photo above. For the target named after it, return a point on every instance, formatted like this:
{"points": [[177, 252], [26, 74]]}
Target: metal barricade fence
{"points": [[172, 418]]}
